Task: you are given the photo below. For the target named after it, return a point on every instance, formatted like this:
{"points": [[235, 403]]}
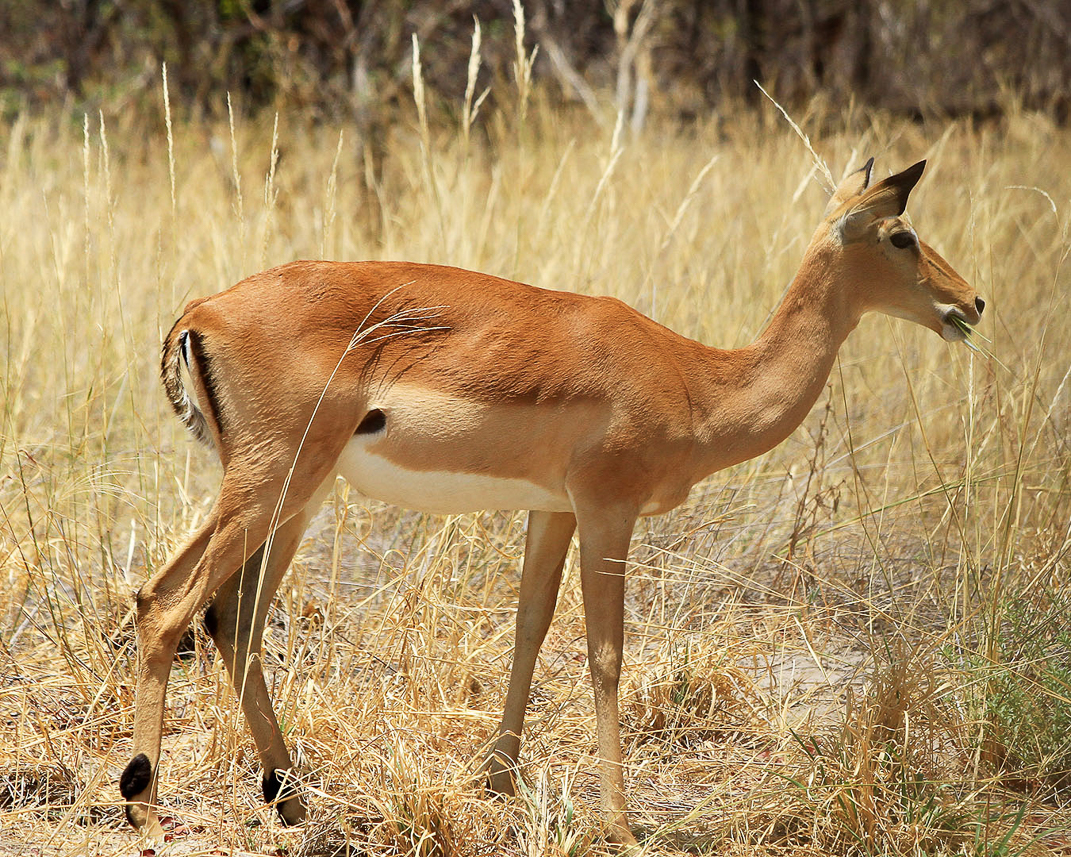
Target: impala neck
{"points": [[771, 385]]}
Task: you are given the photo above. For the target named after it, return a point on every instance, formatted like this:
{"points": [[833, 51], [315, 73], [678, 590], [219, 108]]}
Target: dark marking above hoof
{"points": [[373, 421], [271, 784], [280, 788], [135, 778]]}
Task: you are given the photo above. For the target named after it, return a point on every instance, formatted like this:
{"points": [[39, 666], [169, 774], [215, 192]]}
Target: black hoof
{"points": [[136, 777], [279, 787]]}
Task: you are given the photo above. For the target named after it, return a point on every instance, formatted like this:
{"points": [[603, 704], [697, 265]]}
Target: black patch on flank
{"points": [[374, 421], [135, 777]]}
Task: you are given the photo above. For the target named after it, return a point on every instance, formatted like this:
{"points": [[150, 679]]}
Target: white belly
{"points": [[442, 492]]}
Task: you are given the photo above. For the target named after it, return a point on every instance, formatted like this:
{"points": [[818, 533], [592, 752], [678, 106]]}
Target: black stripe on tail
{"points": [[188, 346]]}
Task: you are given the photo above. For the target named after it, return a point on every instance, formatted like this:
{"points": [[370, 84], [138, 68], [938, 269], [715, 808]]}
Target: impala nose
{"points": [[979, 305]]}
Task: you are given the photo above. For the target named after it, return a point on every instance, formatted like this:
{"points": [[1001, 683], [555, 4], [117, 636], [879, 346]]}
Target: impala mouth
{"points": [[955, 326]]}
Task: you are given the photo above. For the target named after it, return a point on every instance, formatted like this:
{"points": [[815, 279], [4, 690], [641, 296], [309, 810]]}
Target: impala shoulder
{"points": [[613, 307], [606, 320]]}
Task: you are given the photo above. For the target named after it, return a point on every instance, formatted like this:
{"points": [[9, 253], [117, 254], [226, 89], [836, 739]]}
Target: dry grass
{"points": [[811, 637]]}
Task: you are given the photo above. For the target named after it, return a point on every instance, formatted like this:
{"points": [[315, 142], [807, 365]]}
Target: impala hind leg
{"points": [[237, 525], [138, 781], [235, 619], [549, 534], [604, 544]]}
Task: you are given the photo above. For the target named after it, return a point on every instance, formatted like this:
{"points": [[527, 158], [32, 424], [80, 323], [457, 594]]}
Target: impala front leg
{"points": [[604, 544], [549, 534]]}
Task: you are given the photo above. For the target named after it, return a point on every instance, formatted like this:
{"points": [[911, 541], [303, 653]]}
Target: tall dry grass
{"points": [[815, 639]]}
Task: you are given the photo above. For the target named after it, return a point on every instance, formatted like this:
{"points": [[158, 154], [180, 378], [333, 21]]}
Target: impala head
{"points": [[893, 271]]}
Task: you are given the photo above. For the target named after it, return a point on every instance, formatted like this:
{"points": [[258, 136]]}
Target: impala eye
{"points": [[903, 240]]}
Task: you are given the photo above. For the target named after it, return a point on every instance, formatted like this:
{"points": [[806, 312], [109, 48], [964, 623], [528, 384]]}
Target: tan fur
{"points": [[491, 391]]}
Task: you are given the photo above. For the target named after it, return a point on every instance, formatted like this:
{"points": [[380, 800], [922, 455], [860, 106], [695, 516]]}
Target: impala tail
{"points": [[183, 345]]}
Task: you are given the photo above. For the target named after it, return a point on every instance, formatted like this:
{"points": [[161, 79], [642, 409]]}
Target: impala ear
{"points": [[888, 198], [850, 187]]}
